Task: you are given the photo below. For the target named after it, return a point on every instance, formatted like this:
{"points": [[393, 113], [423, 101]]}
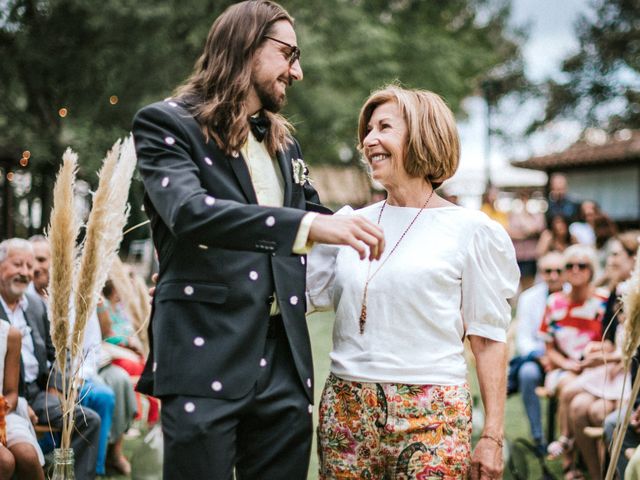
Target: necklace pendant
{"points": [[363, 317]]}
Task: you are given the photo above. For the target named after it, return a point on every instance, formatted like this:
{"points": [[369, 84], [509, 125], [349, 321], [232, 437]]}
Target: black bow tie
{"points": [[259, 126]]}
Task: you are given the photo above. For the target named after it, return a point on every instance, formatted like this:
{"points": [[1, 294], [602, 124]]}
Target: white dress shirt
{"points": [[17, 319]]}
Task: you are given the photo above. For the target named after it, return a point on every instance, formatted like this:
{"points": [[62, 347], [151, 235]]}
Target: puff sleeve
{"points": [[490, 276], [321, 272]]}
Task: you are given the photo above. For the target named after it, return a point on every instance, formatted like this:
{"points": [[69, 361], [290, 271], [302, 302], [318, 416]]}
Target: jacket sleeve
{"points": [[172, 183]]}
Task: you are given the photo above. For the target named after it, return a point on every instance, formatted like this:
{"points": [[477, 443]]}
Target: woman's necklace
{"points": [[363, 310]]}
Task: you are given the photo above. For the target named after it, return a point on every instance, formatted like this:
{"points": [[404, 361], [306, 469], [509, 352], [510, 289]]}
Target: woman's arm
{"points": [[12, 368], [559, 360], [491, 367]]}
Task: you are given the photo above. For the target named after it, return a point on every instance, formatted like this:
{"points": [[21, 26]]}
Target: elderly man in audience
{"points": [[526, 371], [28, 313]]}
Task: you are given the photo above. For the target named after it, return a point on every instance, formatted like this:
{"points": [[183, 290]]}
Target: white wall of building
{"points": [[616, 189]]}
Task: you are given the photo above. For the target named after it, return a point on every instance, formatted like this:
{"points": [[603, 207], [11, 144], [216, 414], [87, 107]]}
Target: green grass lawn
{"points": [[320, 326]]}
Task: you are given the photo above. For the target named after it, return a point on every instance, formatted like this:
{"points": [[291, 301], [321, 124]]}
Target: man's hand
{"points": [[355, 231]]}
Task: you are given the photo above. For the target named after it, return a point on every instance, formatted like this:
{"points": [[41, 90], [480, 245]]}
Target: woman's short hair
{"points": [[433, 145], [583, 251]]}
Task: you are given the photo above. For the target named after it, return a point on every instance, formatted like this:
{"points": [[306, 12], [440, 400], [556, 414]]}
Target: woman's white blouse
{"points": [[450, 276]]}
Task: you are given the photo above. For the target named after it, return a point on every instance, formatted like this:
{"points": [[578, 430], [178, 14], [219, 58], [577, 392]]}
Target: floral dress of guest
{"points": [[572, 326], [19, 427]]}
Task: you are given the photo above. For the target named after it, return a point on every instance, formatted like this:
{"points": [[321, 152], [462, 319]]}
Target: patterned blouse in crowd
{"points": [[571, 326]]}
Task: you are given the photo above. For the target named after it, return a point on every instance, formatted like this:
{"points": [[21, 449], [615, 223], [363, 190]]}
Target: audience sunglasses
{"points": [[580, 265], [294, 52], [549, 271]]}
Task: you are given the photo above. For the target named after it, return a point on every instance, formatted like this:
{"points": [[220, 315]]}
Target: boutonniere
{"points": [[300, 171]]}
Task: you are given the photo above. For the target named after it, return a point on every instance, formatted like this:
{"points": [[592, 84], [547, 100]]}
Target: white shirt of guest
{"points": [[17, 319], [92, 344], [529, 313], [449, 277]]}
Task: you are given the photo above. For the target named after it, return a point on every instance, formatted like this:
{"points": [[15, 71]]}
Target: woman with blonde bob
{"points": [[397, 404]]}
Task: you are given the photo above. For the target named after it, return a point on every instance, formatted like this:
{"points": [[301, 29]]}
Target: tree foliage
{"points": [[78, 54], [600, 84]]}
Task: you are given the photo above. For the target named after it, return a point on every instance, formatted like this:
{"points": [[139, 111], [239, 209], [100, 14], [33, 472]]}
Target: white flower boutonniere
{"points": [[300, 171]]}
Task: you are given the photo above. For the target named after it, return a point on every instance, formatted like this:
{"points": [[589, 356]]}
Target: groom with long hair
{"points": [[232, 215]]}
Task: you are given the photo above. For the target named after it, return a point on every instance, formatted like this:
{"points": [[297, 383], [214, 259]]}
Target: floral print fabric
{"points": [[394, 431]]}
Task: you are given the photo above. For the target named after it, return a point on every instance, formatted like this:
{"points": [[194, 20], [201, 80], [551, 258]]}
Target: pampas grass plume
{"points": [[62, 235]]}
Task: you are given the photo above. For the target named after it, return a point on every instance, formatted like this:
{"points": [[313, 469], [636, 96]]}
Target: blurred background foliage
{"points": [[103, 60]]}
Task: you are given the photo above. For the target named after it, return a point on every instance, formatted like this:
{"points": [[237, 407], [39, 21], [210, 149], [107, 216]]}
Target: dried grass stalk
{"points": [[104, 233], [133, 297], [62, 233], [144, 301]]}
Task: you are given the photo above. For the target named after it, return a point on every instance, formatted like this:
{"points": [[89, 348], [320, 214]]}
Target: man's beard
{"points": [[270, 101], [18, 285]]}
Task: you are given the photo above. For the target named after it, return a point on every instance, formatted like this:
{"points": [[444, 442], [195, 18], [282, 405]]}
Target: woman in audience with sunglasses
{"points": [[572, 321]]}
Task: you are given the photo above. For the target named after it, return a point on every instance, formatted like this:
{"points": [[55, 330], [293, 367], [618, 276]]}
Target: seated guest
{"points": [[572, 320], [117, 330], [583, 230], [555, 238], [28, 313], [22, 450], [620, 264], [595, 393], [526, 371]]}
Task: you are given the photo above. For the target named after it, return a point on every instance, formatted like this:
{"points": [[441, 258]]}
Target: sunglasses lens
{"points": [[581, 266]]}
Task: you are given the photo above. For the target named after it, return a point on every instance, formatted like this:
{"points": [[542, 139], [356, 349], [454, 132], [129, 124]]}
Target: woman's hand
{"points": [[133, 343], [487, 461], [571, 365]]}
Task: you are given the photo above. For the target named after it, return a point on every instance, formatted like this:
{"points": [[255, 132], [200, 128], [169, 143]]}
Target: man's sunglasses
{"points": [[549, 271], [581, 266], [294, 52]]}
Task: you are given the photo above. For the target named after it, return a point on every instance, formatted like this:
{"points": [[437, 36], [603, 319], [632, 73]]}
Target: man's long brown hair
{"points": [[221, 80]]}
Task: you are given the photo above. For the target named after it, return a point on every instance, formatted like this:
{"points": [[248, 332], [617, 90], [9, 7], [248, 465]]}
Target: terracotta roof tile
{"points": [[623, 148]]}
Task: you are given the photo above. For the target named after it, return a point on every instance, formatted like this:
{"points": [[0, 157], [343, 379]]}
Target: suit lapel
{"points": [[285, 168], [3, 314], [39, 347], [241, 171]]}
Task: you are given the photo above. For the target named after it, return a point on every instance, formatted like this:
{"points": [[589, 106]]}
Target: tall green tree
{"points": [[600, 84], [81, 54]]}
